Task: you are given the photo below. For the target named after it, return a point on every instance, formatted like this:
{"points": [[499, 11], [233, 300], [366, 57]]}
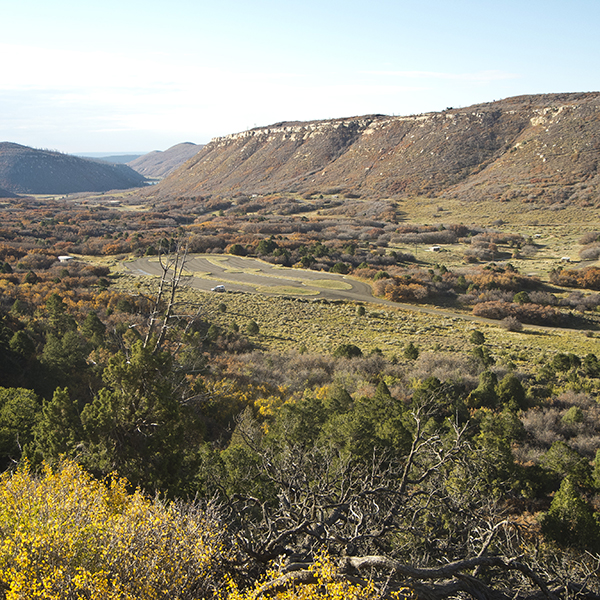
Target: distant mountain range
{"points": [[542, 148], [25, 170], [159, 164], [112, 158]]}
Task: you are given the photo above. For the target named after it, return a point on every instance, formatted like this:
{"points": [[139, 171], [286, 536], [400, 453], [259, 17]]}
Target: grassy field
{"points": [[554, 229], [321, 326], [316, 326], [556, 233]]}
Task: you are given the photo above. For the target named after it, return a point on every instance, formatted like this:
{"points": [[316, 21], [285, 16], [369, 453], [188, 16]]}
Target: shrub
{"points": [[512, 324], [447, 367], [324, 584], [477, 338], [590, 253], [411, 351], [347, 351], [398, 290], [589, 238], [252, 328], [582, 278], [66, 535]]}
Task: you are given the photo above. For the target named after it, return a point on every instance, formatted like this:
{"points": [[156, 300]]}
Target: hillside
{"points": [[541, 148], [6, 194], [25, 170], [160, 164]]}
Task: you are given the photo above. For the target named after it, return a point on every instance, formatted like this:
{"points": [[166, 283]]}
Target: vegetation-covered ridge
{"points": [[158, 164], [25, 170], [541, 148]]}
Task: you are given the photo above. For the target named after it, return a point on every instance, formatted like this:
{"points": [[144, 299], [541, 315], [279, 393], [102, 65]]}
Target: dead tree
{"points": [[437, 583], [163, 312], [421, 519]]}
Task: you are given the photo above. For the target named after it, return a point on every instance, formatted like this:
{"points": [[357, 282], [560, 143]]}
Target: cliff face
{"points": [[25, 170], [545, 147]]}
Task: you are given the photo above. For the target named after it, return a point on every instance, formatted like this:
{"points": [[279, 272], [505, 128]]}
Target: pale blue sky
{"points": [[134, 75]]}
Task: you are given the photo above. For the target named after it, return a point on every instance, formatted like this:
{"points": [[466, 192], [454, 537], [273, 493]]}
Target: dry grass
{"points": [[556, 233], [320, 326]]}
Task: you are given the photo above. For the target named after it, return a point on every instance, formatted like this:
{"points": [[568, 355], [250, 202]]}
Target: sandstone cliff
{"points": [[542, 147]]}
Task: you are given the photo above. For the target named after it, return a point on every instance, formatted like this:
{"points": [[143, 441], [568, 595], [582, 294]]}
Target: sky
{"points": [[136, 76]]}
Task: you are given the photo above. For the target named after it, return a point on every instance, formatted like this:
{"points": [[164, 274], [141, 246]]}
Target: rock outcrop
{"points": [[542, 148]]}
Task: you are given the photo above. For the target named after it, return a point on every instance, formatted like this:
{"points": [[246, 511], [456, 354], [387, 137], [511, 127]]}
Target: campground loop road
{"points": [[250, 275], [240, 274]]}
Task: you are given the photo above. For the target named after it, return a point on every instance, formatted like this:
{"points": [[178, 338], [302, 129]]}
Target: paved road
{"points": [[242, 274], [251, 275]]}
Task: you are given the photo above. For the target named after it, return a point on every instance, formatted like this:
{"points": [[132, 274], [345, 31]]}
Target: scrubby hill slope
{"points": [[543, 147], [6, 194], [160, 164], [25, 170]]}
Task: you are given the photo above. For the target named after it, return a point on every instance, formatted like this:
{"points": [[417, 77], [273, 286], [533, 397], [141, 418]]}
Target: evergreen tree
{"points": [[59, 320], [563, 461], [133, 425], [511, 392], [570, 520], [411, 351], [59, 429], [19, 412], [252, 328], [484, 395], [477, 338], [93, 329], [21, 344]]}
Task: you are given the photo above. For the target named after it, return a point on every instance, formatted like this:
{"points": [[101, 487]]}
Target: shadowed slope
{"points": [[25, 170]]}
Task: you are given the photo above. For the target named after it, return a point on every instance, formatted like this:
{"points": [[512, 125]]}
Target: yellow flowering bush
{"points": [[65, 535], [321, 582]]}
